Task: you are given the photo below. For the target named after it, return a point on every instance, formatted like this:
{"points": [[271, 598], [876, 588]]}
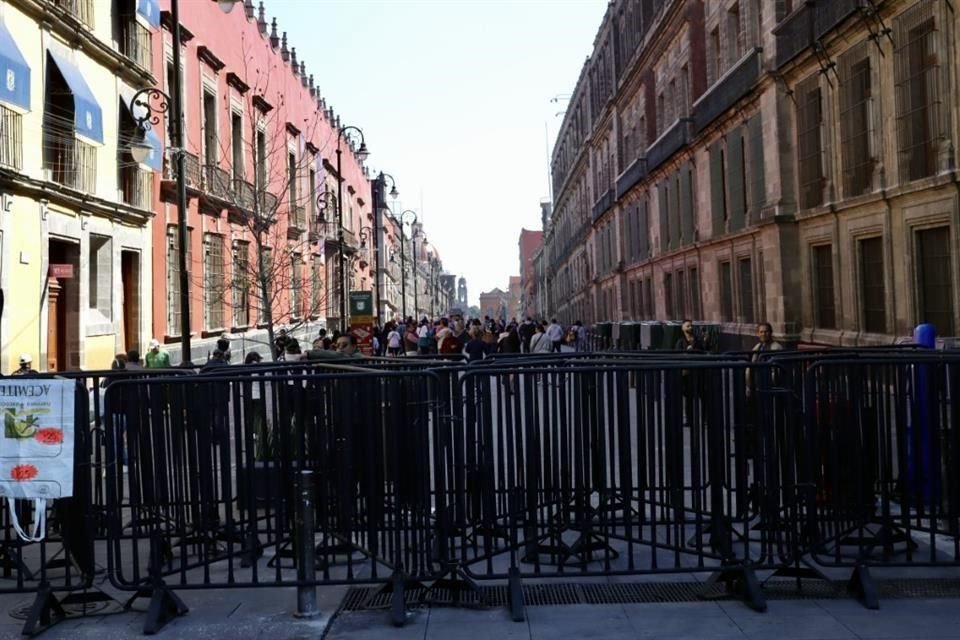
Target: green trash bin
{"points": [[605, 334], [629, 338], [671, 333], [651, 334]]}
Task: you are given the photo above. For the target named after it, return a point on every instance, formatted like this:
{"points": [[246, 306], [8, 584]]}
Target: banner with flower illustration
{"points": [[36, 450]]}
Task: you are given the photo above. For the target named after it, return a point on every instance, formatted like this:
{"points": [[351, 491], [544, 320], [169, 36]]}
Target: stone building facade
{"points": [[747, 160]]}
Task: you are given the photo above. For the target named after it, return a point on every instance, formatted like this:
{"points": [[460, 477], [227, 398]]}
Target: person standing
{"points": [[540, 343], [689, 339], [765, 341], [555, 334], [133, 360], [393, 342], [25, 369], [157, 358], [526, 331]]}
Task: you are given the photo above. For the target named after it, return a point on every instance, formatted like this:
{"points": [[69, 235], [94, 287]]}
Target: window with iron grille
{"points": [[809, 142], [213, 280], [824, 300], [241, 284], [935, 280], [668, 294], [856, 121], [265, 298], [315, 287], [745, 268], [726, 292], [695, 308], [11, 138], [918, 90], [236, 144], [681, 297], [173, 278], [872, 288], [296, 285]]}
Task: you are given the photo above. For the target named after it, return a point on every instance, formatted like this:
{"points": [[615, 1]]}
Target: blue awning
{"points": [[150, 9], [87, 116], [14, 72]]}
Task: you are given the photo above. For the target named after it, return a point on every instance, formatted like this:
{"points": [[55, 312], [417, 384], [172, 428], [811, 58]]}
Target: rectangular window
{"points": [[210, 151], [824, 302], [295, 208], [241, 284], [809, 147], [872, 287], [296, 285], [312, 196], [935, 280], [918, 92], [856, 121], [213, 281], [650, 311], [668, 295], [726, 292], [173, 277], [100, 281], [315, 284], [716, 56], [695, 307], [236, 144], [11, 139], [681, 295], [261, 159], [734, 34], [745, 267], [265, 299]]}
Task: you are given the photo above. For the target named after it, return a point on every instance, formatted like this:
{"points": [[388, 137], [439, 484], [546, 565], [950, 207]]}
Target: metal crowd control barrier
{"points": [[894, 501], [406, 472]]}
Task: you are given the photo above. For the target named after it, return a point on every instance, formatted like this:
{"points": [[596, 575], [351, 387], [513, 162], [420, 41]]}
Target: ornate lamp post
{"points": [[380, 209], [410, 215], [352, 135], [413, 241]]}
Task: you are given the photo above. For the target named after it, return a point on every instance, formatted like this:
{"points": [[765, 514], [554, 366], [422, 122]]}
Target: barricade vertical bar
{"points": [[306, 566]]}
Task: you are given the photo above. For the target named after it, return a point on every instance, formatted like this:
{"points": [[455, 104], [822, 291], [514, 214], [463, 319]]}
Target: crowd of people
{"points": [[476, 338]]}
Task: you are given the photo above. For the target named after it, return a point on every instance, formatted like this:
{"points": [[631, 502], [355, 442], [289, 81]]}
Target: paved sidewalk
{"points": [[254, 614], [785, 619]]}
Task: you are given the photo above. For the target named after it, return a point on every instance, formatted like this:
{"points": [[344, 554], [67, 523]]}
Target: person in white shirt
{"points": [[393, 342], [540, 343], [555, 334]]}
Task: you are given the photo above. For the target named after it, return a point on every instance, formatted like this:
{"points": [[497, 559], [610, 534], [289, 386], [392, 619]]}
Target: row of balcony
{"points": [[808, 24]]}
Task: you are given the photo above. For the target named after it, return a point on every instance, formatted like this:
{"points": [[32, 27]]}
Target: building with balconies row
{"points": [[261, 175], [75, 209], [739, 161]]}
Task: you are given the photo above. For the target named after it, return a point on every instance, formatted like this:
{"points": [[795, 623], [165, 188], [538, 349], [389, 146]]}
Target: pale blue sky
{"points": [[453, 97]]}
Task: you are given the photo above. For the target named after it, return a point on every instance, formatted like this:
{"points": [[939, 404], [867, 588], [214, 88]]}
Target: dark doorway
{"points": [[130, 275], [63, 309]]}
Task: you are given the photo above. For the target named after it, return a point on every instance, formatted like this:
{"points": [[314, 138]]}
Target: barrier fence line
{"points": [[430, 475]]}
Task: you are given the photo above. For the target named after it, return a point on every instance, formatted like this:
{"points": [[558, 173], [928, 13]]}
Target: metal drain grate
{"points": [[568, 593]]}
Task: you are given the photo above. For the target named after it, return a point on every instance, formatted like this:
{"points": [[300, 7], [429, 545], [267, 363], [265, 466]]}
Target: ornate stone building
{"points": [[747, 160]]}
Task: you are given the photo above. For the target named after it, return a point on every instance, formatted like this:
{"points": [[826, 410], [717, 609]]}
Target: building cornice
{"points": [[58, 20], [22, 185]]}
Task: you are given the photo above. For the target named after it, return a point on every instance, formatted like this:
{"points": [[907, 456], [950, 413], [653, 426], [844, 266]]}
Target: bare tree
{"points": [[275, 207]]}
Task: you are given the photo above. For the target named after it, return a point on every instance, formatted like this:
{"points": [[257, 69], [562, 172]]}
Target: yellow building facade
{"points": [[75, 241]]}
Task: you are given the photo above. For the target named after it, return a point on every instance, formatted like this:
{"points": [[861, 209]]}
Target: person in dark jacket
{"points": [[509, 341], [689, 339], [476, 348]]}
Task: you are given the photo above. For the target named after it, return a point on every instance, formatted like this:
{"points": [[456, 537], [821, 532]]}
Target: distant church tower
{"points": [[462, 292]]}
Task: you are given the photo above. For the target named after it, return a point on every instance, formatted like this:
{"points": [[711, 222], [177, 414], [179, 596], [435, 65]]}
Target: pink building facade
{"points": [[260, 152]]}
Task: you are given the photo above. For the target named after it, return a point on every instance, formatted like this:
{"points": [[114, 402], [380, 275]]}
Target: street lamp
{"points": [[411, 215], [156, 103], [380, 205], [350, 133], [413, 241]]}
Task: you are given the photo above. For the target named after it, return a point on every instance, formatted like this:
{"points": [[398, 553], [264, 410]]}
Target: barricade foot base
{"points": [[862, 585], [165, 605], [516, 596], [397, 587], [45, 612], [9, 563], [743, 581], [458, 583]]}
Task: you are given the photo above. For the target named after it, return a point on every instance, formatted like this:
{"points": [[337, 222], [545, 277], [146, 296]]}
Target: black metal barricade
{"points": [[881, 459], [213, 465], [625, 469]]}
